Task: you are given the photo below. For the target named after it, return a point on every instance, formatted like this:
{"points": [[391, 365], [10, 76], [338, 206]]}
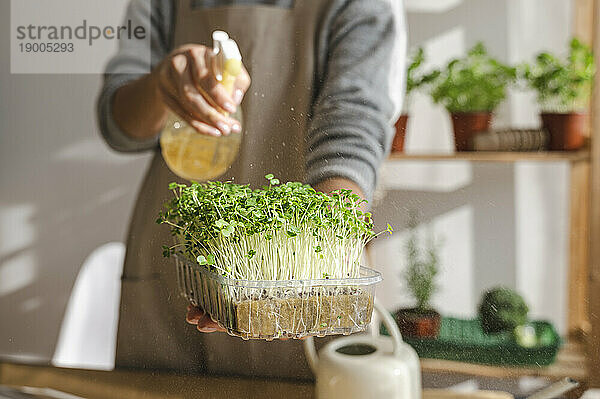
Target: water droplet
{"points": [[176, 125], [292, 108]]}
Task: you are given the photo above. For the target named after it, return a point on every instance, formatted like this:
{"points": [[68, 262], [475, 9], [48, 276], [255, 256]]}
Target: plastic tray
{"points": [[276, 309], [465, 341]]}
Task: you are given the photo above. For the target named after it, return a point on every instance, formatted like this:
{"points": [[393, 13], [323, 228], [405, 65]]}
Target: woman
{"points": [[326, 85]]}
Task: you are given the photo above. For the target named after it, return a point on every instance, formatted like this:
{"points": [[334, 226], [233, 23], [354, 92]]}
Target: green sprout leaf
{"points": [[227, 231], [292, 231], [221, 223], [166, 251]]}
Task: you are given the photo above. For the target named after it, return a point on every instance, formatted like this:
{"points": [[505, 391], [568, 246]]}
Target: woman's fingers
{"points": [[169, 76], [241, 85], [194, 314], [202, 320], [177, 99], [187, 116], [184, 96], [200, 108], [206, 325], [202, 61]]}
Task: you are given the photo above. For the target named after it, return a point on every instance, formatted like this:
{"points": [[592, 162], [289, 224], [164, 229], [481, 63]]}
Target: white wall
{"points": [[63, 194], [500, 223]]}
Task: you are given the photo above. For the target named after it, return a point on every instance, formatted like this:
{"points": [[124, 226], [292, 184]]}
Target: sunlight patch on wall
{"points": [[16, 230], [17, 273]]}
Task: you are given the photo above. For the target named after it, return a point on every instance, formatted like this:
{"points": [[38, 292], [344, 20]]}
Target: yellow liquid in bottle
{"points": [[196, 156]]}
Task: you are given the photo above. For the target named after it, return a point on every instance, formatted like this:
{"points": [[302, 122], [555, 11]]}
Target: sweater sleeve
{"points": [[131, 62], [359, 91]]}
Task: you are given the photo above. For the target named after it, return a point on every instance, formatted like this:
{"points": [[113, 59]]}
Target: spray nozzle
{"points": [[228, 59]]}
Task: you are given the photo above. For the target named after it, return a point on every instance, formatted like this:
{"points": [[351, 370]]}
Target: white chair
{"points": [[88, 335]]}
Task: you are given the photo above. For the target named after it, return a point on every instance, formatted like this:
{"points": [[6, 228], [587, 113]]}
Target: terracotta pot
{"points": [[416, 324], [467, 125], [565, 130], [398, 143]]}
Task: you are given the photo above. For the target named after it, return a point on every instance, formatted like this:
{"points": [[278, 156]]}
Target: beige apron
{"points": [[277, 45]]}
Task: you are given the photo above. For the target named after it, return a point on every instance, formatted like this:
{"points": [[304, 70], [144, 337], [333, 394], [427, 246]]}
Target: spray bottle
{"points": [[196, 156]]}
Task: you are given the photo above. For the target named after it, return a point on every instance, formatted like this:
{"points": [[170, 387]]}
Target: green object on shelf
{"points": [[464, 341]]}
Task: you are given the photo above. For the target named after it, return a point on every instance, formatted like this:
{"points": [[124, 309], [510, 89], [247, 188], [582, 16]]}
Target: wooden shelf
{"points": [[489, 156], [570, 362]]}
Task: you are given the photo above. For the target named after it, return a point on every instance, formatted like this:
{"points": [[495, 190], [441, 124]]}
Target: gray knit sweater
{"points": [[369, 35]]}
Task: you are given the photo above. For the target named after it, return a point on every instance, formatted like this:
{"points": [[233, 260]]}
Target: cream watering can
{"points": [[366, 365]]}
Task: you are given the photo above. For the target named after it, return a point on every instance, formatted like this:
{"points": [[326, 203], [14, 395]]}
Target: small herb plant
{"points": [[421, 271], [562, 85], [475, 83], [280, 232], [415, 78]]}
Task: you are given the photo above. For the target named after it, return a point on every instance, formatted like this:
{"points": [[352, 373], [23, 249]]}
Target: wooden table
{"points": [[124, 384]]}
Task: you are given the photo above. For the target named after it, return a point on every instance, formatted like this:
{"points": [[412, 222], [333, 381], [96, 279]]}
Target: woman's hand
{"points": [[187, 85], [202, 320]]}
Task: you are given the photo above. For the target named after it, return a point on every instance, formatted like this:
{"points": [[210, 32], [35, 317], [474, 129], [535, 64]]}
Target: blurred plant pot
{"points": [[398, 143], [467, 125], [565, 130], [415, 323]]}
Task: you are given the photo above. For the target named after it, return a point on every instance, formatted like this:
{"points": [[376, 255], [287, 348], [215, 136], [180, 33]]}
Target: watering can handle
{"points": [[388, 322]]}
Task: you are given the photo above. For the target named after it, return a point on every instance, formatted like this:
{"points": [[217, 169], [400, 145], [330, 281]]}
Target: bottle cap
{"points": [[230, 50], [219, 37]]}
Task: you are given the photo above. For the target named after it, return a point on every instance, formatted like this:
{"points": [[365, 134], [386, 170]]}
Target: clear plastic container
{"points": [[280, 309]]}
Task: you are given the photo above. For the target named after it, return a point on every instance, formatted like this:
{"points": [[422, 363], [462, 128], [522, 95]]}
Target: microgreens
{"points": [[280, 232]]}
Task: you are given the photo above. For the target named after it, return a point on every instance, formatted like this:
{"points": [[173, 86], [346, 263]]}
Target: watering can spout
{"points": [[311, 354]]}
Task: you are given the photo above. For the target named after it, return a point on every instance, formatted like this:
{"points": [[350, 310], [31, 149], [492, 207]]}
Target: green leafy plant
{"points": [[502, 310], [280, 232], [562, 85], [421, 270], [415, 78], [475, 83]]}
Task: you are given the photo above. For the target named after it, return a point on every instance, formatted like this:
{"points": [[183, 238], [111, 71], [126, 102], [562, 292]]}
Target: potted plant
{"points": [[563, 90], [503, 310], [471, 88], [415, 78], [421, 321], [281, 261]]}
